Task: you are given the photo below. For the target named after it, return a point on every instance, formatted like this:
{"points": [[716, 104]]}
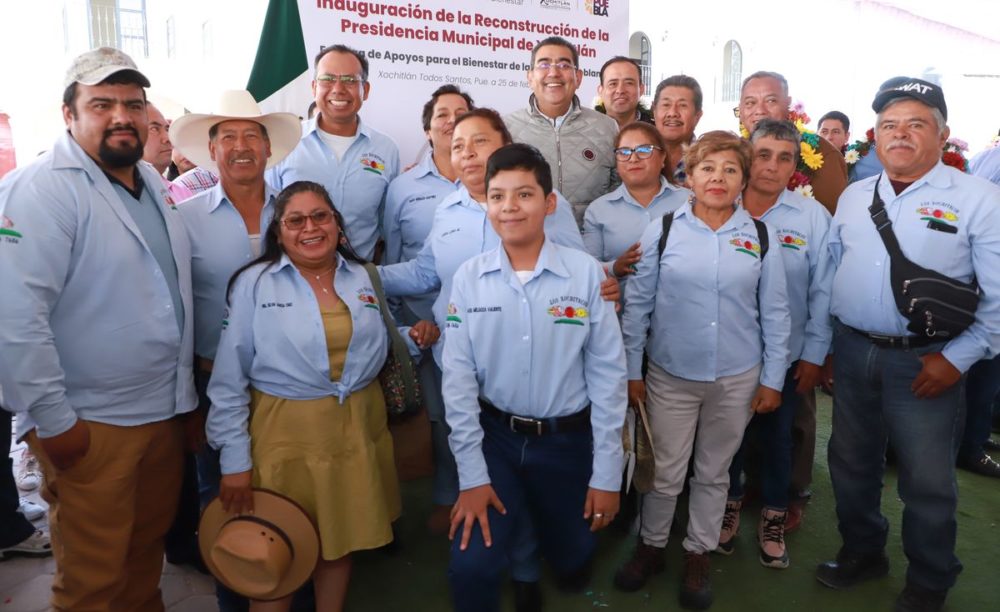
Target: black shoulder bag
{"points": [[935, 305]]}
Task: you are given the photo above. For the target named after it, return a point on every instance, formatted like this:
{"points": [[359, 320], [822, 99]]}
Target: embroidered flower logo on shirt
{"points": [[367, 297], [745, 244], [373, 163], [7, 229], [790, 239], [453, 314], [568, 315], [939, 214]]}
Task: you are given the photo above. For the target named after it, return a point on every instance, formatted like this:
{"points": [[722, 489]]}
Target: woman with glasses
{"points": [[708, 307], [613, 223], [296, 406], [410, 203]]}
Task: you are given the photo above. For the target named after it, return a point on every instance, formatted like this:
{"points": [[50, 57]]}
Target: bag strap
{"points": [[667, 220], [883, 225], [399, 349], [762, 238]]}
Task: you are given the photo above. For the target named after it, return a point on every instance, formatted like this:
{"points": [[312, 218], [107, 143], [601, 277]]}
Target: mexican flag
{"points": [[281, 73]]}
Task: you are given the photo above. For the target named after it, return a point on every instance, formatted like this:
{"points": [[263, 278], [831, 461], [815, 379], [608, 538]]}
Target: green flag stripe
{"points": [[281, 52]]}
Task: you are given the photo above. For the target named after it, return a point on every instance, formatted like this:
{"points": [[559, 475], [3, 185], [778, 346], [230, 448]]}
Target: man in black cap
{"points": [[895, 380]]}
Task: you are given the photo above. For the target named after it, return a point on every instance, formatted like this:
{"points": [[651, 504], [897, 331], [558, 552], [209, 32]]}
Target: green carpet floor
{"points": [[413, 578]]}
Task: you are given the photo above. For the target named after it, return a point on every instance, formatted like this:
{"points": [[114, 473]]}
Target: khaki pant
{"points": [[701, 422], [108, 515]]}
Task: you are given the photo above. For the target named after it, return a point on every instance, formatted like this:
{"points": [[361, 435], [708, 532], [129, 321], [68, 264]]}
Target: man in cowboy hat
{"points": [[96, 338], [225, 223]]}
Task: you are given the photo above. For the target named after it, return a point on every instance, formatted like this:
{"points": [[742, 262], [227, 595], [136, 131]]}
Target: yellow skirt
{"points": [[333, 459]]}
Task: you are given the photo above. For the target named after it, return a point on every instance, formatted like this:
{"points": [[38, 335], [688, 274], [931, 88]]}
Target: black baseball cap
{"points": [[909, 87]]}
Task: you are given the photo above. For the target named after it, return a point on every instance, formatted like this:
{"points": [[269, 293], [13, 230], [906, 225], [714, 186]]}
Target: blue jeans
{"points": [[873, 402], [775, 434], [981, 387], [544, 476]]}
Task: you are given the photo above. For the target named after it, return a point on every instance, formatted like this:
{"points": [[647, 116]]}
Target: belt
{"points": [[578, 421], [896, 342]]}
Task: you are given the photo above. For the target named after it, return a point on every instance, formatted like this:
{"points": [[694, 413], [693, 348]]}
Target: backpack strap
{"points": [[761, 237], [667, 220]]}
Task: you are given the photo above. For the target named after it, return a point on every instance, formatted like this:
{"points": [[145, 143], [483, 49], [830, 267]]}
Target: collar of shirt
{"points": [[461, 197], [285, 262], [574, 107], [937, 176], [622, 193], [739, 219], [136, 177], [548, 259], [219, 196], [312, 125]]}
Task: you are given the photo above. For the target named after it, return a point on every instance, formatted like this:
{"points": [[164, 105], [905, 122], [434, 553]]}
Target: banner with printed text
{"points": [[482, 46]]}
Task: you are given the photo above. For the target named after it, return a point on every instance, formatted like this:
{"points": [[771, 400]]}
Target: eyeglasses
{"points": [[560, 66], [345, 79], [297, 222], [641, 152]]}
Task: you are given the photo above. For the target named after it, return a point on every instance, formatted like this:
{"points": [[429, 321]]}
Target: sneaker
{"points": [[696, 585], [771, 539], [35, 545], [916, 598], [850, 568], [29, 476], [984, 465], [730, 527], [30, 509], [646, 560]]}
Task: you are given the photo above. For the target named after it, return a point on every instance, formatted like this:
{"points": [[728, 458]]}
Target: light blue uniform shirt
{"points": [[461, 231], [615, 221], [357, 182], [699, 302], [869, 165], [544, 349], [87, 322], [987, 165], [273, 340], [862, 297], [220, 244], [802, 225], [409, 214]]}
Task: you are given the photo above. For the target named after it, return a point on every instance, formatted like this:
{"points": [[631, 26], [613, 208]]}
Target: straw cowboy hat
{"points": [[265, 555], [190, 132]]}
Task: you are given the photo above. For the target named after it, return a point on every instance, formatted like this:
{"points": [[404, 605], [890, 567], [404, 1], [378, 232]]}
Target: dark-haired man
{"points": [[835, 127], [353, 161], [676, 112], [577, 142], [96, 339], [620, 89]]}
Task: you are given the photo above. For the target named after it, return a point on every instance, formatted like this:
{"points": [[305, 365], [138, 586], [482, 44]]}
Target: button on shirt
{"points": [[357, 183], [699, 302], [615, 221], [88, 325], [461, 231], [544, 349], [409, 214], [273, 340], [220, 245], [862, 297], [802, 225]]}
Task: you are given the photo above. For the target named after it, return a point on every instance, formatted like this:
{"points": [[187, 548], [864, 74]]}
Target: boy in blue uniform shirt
{"points": [[534, 390]]}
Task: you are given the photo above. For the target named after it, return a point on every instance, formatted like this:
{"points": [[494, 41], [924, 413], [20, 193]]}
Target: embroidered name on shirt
{"points": [[450, 232], [484, 309], [367, 297], [371, 162], [747, 244], [791, 239], [276, 305]]}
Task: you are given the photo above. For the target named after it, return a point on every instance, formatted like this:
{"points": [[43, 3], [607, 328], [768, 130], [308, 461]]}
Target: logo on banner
{"points": [[556, 5], [598, 7], [373, 163]]}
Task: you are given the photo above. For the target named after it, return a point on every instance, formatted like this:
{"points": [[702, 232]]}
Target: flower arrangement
{"points": [[953, 153], [810, 159]]}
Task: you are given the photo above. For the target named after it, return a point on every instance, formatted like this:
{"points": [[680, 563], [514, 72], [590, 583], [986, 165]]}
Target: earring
{"points": [[691, 199]]}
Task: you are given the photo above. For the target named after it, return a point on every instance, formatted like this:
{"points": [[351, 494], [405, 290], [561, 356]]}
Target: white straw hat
{"points": [[190, 132]]}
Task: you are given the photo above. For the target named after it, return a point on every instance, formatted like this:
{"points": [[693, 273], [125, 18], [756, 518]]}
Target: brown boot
{"points": [[696, 585], [646, 561]]}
